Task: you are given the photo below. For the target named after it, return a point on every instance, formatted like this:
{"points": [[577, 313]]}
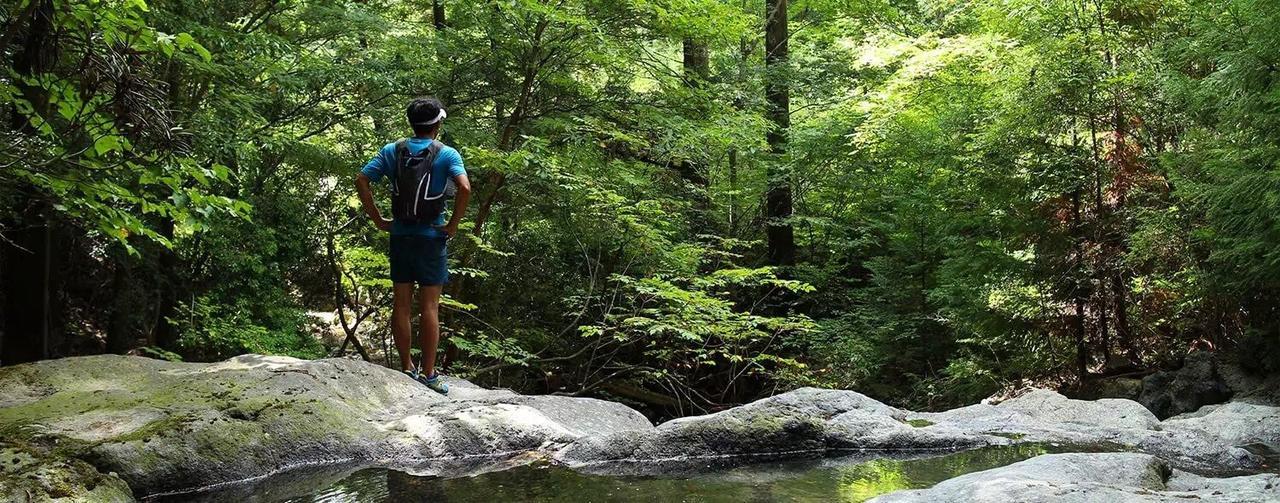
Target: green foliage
{"points": [[108, 167], [213, 331], [986, 193], [159, 353]]}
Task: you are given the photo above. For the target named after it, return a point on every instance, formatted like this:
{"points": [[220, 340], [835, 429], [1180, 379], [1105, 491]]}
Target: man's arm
{"points": [[366, 201], [460, 200]]}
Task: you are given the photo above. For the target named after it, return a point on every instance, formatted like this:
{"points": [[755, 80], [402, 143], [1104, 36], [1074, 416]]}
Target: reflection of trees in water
{"points": [[368, 485], [405, 487], [850, 480], [867, 480], [872, 479]]}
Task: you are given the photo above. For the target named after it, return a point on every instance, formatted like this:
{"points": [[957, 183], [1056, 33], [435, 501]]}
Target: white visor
{"points": [[439, 117]]}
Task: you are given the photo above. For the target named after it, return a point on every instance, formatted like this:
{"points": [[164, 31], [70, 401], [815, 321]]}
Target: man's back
{"points": [[448, 164]]}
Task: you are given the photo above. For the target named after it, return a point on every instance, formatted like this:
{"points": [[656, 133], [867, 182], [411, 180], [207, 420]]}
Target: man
{"points": [[420, 170]]}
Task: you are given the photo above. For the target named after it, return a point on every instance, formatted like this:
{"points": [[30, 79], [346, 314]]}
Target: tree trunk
{"points": [[1124, 164], [781, 237], [121, 331], [1082, 347], [733, 189], [28, 253], [437, 14], [745, 48], [1123, 331], [165, 334], [38, 52], [506, 140], [697, 63], [1104, 332], [696, 71], [29, 294], [1099, 238], [496, 180], [342, 301]]}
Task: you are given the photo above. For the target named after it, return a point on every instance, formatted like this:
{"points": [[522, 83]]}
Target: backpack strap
{"points": [[433, 153], [402, 151]]}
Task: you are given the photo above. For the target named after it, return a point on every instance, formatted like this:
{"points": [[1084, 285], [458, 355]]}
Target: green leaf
{"points": [[108, 143]]}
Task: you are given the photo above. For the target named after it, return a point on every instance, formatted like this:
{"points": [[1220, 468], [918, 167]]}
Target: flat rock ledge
{"points": [[108, 428], [1070, 478]]}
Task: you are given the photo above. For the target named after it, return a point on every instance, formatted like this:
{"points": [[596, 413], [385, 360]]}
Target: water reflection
{"points": [[849, 479]]}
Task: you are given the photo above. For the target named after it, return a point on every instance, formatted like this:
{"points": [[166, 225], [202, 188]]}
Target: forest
{"points": [[680, 204]]}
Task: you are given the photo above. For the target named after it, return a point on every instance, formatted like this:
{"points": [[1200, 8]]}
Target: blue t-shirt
{"points": [[449, 162]]}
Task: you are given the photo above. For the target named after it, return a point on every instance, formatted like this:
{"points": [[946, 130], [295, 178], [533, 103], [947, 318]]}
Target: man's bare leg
{"points": [[401, 310], [429, 326]]}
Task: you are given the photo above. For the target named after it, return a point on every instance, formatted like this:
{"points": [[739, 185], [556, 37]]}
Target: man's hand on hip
{"points": [[450, 229], [383, 224]]}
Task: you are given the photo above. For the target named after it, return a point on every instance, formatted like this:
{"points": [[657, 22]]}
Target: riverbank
{"points": [[135, 427]]}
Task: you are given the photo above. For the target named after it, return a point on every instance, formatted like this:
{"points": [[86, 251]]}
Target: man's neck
{"points": [[431, 136]]}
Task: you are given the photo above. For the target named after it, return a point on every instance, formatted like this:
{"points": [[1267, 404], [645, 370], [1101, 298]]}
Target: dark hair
{"points": [[420, 112]]}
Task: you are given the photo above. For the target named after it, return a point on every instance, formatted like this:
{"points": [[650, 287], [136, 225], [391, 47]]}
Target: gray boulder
{"points": [[1243, 489], [1238, 423], [1249, 387], [1091, 478], [806, 421], [165, 427], [1046, 416], [815, 422], [1198, 383], [1237, 436]]}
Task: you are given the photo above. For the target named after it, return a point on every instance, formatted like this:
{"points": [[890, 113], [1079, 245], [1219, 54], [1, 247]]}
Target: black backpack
{"points": [[410, 201]]}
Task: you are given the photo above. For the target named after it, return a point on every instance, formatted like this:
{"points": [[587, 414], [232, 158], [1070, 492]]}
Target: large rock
{"points": [[166, 427], [1249, 387], [1046, 416], [96, 422], [806, 421], [1198, 383], [1091, 478], [1236, 437], [1238, 423]]}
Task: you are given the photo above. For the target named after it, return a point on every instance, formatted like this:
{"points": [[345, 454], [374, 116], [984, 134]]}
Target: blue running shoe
{"points": [[435, 383]]}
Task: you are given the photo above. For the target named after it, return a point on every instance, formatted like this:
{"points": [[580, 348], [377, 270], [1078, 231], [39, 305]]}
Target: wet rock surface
{"points": [[1090, 478], [164, 427]]}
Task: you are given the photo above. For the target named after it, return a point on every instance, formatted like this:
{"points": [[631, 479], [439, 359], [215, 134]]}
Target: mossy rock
{"points": [[28, 474], [171, 426]]}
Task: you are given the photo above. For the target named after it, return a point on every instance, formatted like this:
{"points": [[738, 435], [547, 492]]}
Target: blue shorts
{"points": [[419, 259]]}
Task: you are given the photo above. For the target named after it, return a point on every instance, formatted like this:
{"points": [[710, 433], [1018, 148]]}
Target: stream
{"points": [[852, 478]]}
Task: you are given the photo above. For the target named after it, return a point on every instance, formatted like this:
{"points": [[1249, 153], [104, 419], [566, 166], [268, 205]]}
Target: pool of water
{"points": [[853, 478]]}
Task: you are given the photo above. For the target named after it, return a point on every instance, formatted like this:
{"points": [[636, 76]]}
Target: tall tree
{"points": [[28, 255], [697, 69], [778, 205], [437, 14]]}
